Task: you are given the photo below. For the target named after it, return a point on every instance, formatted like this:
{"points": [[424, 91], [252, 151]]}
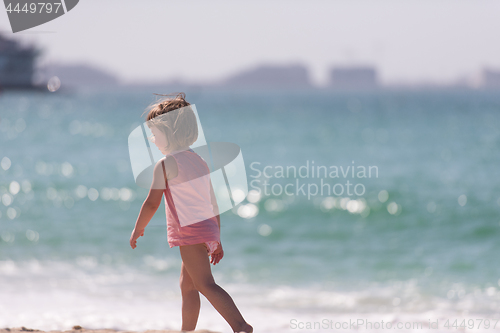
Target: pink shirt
{"points": [[188, 205]]}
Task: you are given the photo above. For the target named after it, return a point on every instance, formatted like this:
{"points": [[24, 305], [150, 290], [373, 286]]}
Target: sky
{"points": [[203, 41]]}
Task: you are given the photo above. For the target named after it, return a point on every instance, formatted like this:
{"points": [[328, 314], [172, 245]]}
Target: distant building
{"points": [[354, 78], [16, 64], [271, 76], [489, 79]]}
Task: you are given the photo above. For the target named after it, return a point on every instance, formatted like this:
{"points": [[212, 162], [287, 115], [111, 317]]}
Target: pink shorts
{"points": [[211, 246]]}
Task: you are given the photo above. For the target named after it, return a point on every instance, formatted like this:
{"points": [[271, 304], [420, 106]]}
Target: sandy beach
{"points": [[78, 329]]}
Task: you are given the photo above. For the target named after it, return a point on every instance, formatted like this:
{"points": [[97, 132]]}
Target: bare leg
{"points": [[196, 262], [190, 301]]}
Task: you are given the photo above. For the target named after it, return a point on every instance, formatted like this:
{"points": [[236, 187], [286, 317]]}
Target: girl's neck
{"points": [[178, 150]]}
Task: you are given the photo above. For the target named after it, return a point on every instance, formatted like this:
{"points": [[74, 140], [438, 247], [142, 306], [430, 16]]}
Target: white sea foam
{"points": [[53, 295]]}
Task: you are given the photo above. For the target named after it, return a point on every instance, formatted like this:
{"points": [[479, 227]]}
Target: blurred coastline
{"points": [[20, 69], [294, 77]]}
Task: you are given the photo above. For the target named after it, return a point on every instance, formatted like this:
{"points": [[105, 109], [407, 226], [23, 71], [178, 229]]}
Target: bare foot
{"points": [[246, 329]]}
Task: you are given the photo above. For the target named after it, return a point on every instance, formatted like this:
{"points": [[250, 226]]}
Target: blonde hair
{"points": [[176, 119]]}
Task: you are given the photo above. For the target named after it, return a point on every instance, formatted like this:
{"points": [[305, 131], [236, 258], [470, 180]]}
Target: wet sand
{"points": [[78, 329]]}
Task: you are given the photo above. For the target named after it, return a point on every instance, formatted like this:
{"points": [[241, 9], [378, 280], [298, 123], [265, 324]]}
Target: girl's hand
{"points": [[217, 254], [133, 238]]}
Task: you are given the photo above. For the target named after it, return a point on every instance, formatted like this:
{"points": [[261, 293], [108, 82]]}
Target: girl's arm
{"points": [[219, 252], [148, 210], [152, 202]]}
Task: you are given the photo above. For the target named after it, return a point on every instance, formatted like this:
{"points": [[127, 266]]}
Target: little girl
{"points": [[193, 221]]}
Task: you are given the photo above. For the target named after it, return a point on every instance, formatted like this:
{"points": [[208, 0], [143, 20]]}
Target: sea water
{"points": [[417, 242]]}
